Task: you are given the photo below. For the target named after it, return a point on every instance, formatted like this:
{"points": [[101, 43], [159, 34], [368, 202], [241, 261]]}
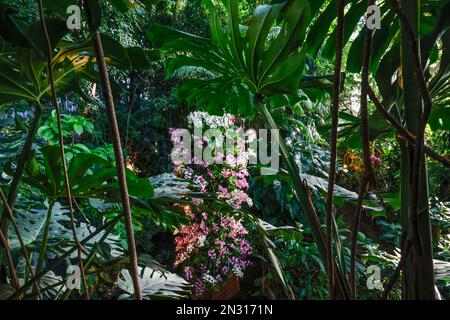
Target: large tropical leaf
{"points": [[23, 71], [31, 221], [91, 176], [241, 65]]}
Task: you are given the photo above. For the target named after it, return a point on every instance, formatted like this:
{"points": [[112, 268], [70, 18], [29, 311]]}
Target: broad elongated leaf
{"points": [[240, 65]]}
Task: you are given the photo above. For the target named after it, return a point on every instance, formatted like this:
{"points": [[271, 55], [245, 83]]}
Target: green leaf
{"points": [[270, 67], [393, 200], [114, 50], [440, 117], [13, 30], [122, 5], [96, 11], [13, 86], [78, 129], [56, 29], [352, 18]]}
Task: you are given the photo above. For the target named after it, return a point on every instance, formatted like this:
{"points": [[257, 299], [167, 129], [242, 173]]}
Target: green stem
{"points": [[61, 144], [43, 249], [302, 196], [118, 154], [333, 144]]}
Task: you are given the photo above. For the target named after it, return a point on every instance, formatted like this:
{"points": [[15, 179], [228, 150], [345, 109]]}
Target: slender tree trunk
{"points": [[120, 163], [333, 144], [61, 146], [368, 176]]}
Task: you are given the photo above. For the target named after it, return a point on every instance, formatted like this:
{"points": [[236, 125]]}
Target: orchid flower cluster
{"points": [[228, 180], [211, 249], [214, 246]]}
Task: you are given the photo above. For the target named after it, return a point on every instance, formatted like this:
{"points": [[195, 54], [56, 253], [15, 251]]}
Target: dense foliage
{"points": [[95, 205]]}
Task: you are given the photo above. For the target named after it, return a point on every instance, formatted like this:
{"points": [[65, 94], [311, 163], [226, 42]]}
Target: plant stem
{"points": [[61, 144], [120, 163], [398, 269], [12, 269], [333, 143], [43, 249], [364, 102], [61, 258], [368, 176], [302, 196], [363, 185]]}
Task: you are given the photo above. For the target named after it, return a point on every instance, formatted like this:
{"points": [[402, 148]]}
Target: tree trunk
{"points": [[418, 275]]}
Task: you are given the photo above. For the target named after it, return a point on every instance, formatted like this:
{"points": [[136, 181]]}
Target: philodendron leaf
{"points": [[6, 291], [111, 242], [31, 221], [153, 284]]}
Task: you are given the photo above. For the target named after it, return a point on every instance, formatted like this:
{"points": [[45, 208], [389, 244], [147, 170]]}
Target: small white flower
{"points": [[238, 271], [208, 278], [201, 241]]}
